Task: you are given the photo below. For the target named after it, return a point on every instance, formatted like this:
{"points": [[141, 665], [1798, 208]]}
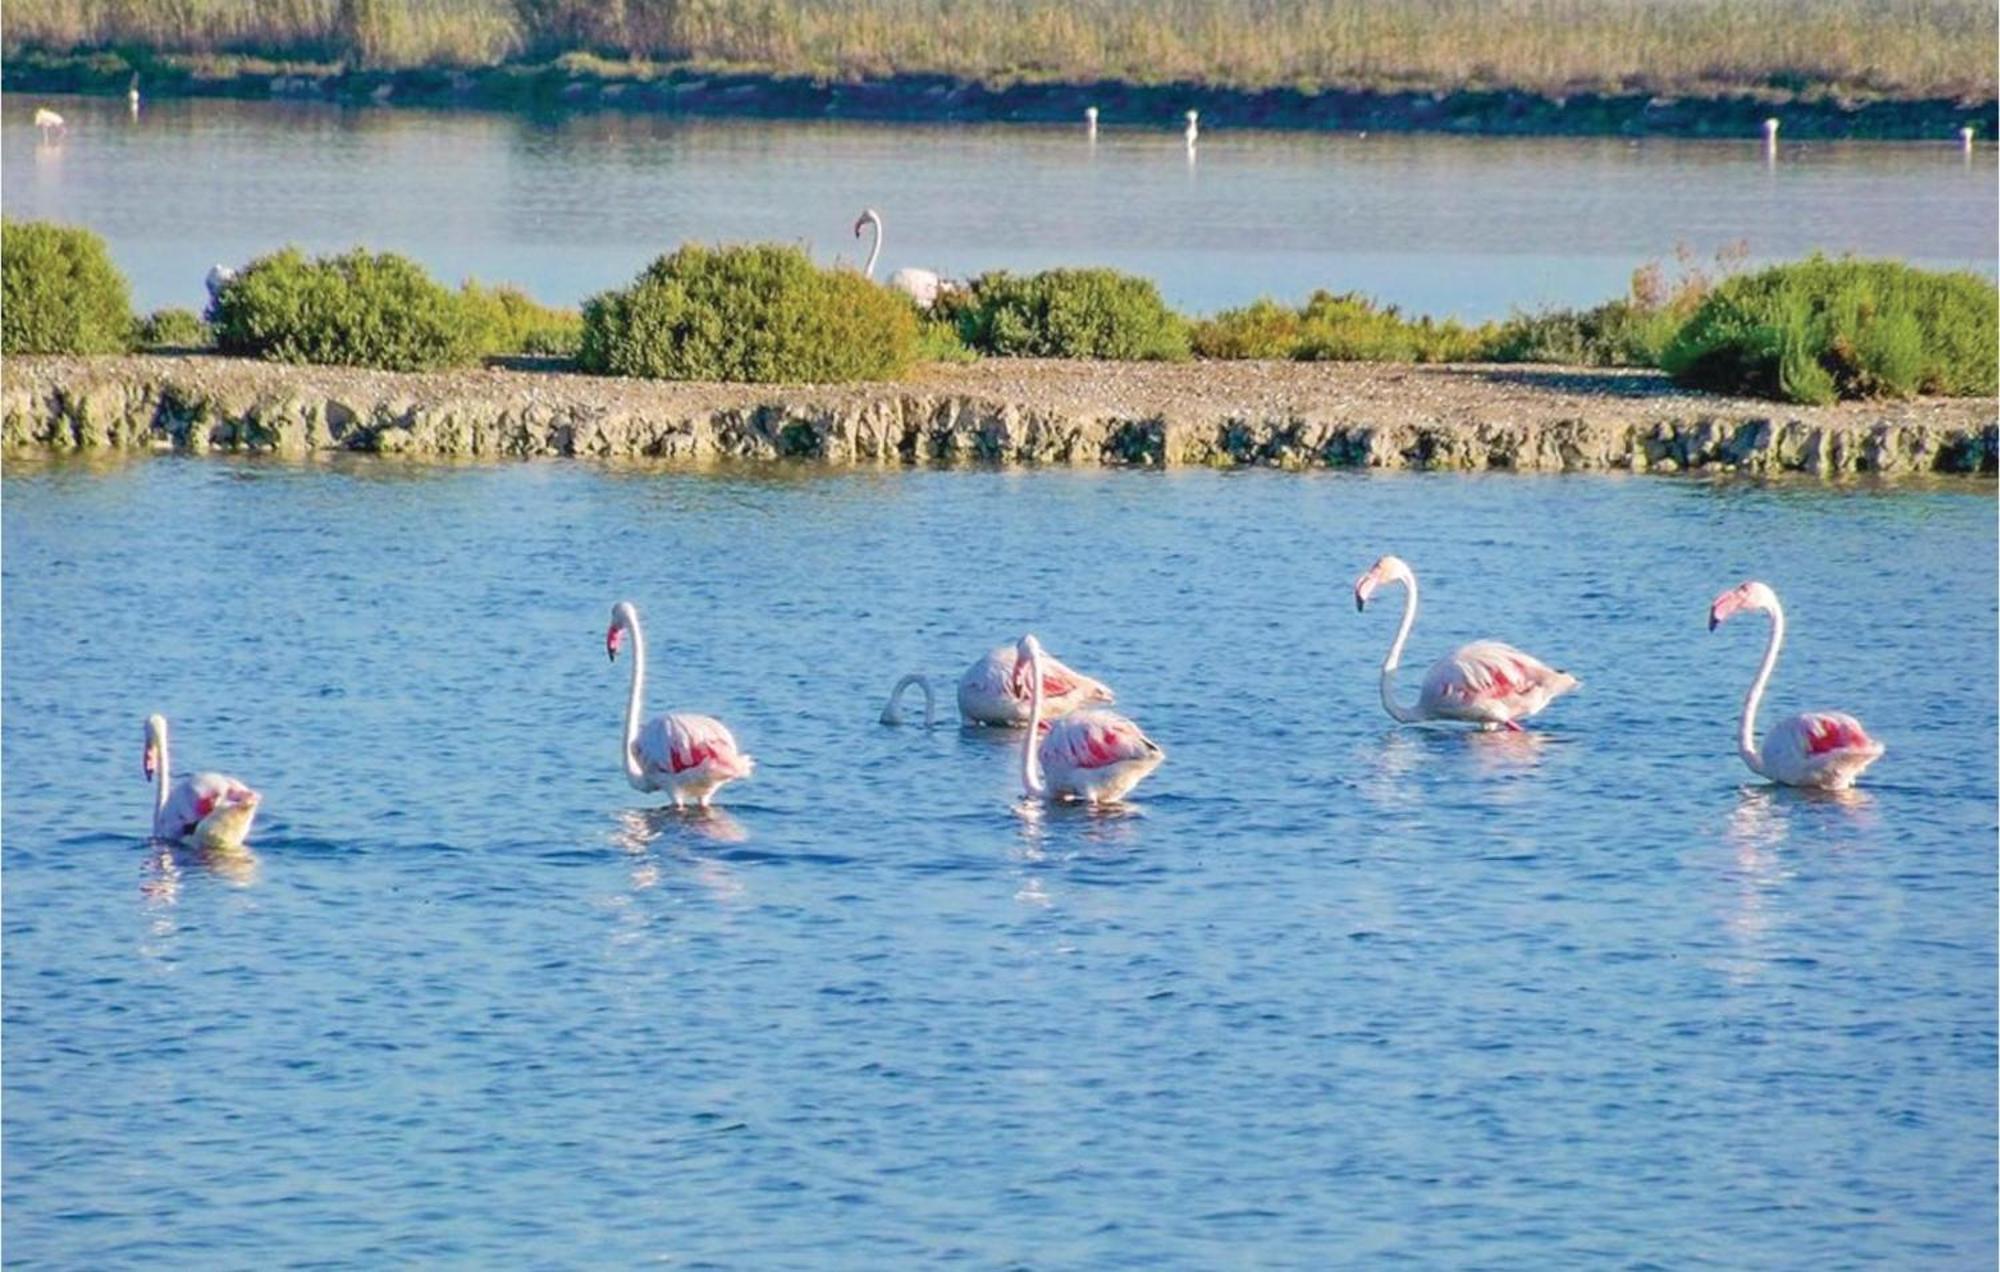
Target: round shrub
{"points": [[1347, 327], [506, 320], [761, 312], [1818, 330], [1071, 313], [59, 291], [358, 309], [172, 329]]}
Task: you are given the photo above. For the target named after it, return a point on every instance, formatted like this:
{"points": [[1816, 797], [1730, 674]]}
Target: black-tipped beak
{"points": [[1360, 602], [610, 654], [1713, 622]]}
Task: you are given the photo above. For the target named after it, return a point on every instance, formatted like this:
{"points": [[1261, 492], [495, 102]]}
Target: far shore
{"points": [[923, 98], [1529, 418]]}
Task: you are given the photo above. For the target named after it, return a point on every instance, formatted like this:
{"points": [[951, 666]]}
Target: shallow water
{"points": [[1331, 990], [569, 206]]}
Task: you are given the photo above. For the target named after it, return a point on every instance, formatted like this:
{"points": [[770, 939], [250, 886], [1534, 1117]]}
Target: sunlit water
{"points": [[566, 207], [1331, 991]]}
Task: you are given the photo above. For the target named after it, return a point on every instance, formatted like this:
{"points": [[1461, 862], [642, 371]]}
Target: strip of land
{"points": [[998, 411]]}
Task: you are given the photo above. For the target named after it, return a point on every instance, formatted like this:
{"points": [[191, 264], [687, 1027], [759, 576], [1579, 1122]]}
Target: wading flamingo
{"points": [[1486, 683], [1823, 749], [1091, 755], [208, 810], [1193, 126], [688, 756], [991, 693], [1090, 121], [920, 285], [48, 121]]}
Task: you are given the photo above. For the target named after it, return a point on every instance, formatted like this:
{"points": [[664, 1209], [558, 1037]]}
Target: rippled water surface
{"points": [[1468, 226], [1330, 991]]}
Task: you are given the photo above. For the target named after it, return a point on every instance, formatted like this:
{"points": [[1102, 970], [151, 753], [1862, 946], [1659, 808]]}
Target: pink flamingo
{"points": [[209, 810], [1091, 755], [1486, 683], [991, 693], [688, 756], [1823, 749]]}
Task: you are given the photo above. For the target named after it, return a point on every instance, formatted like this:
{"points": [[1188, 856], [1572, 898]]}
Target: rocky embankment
{"points": [[1003, 411]]}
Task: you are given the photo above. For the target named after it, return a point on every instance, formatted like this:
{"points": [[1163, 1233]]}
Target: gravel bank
{"points": [[997, 411]]}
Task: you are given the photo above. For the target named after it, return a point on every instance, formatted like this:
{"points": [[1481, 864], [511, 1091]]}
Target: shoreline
{"points": [[1522, 417], [911, 98]]}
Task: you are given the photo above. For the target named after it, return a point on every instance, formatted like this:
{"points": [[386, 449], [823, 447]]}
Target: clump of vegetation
{"points": [[1336, 328], [1069, 313], [1633, 331], [938, 341], [506, 320], [61, 293], [172, 329], [762, 313], [356, 309], [1819, 330]]}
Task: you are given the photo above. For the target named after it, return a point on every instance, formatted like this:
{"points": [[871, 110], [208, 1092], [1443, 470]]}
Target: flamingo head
{"points": [[623, 616], [1390, 569], [156, 733], [1193, 116], [1025, 652], [1748, 595], [868, 217]]}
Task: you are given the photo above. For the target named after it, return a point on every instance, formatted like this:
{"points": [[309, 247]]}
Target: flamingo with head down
{"points": [[208, 810], [688, 756], [1090, 755], [1487, 683], [1826, 750], [992, 693]]}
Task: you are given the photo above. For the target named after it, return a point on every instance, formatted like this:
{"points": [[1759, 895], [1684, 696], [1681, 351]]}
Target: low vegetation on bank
{"points": [[1911, 48], [1810, 331]]}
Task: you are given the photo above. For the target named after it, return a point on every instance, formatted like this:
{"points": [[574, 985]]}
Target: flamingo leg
{"points": [[1511, 727]]}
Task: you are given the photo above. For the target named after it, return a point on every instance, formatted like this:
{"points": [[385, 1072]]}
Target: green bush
{"points": [[1618, 333], [506, 320], [1070, 313], [172, 329], [59, 291], [357, 309], [1818, 330], [938, 341], [1336, 328], [761, 312]]}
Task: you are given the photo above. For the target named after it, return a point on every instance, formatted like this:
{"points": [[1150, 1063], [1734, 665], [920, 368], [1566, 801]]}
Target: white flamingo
{"points": [[1823, 749], [1090, 121], [1090, 755], [991, 693], [1486, 683], [48, 121], [920, 285], [209, 810], [219, 276], [688, 756], [1193, 127]]}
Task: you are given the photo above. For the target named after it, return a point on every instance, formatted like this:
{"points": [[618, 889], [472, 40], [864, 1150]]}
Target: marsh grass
{"points": [[1887, 47]]}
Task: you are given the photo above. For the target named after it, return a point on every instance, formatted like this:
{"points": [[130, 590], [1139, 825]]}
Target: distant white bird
{"points": [[132, 95], [1193, 126], [1965, 136], [48, 121], [1090, 120], [218, 278], [921, 285], [1771, 132]]}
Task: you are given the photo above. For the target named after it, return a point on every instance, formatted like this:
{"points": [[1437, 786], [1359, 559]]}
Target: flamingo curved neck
{"points": [[1395, 658], [1031, 769], [893, 713], [1746, 741], [629, 752], [868, 270]]}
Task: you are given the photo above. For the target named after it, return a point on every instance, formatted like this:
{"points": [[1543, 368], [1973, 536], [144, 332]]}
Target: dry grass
{"points": [[1891, 47]]}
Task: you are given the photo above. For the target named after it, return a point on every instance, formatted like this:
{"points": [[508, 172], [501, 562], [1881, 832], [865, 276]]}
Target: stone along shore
{"points": [[1003, 411]]}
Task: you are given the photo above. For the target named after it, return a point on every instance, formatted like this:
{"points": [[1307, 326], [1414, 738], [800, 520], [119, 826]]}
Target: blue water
{"points": [[1330, 991], [1473, 227]]}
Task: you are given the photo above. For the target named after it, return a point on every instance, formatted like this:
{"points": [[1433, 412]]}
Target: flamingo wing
{"points": [[680, 742], [1798, 748], [1489, 679], [194, 797], [1087, 740]]}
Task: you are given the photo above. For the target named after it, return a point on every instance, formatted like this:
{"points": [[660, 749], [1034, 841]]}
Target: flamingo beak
{"points": [[611, 643], [151, 761]]}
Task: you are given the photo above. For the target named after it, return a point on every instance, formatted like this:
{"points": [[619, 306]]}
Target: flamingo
{"points": [[211, 810], [1091, 755], [48, 121], [1193, 127], [1486, 683], [688, 756], [991, 693], [920, 285], [1090, 120], [1827, 750]]}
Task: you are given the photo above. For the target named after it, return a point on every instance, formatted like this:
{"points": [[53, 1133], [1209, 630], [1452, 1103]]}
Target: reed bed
{"points": [[1914, 48]]}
